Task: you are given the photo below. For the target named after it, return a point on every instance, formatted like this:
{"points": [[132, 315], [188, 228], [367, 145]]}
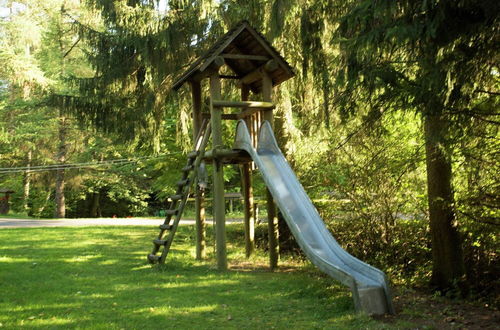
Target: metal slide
{"points": [[368, 284]]}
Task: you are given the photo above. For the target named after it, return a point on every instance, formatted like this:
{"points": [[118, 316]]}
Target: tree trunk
{"points": [[448, 266], [41, 208], [94, 210], [326, 110], [27, 182], [60, 211]]}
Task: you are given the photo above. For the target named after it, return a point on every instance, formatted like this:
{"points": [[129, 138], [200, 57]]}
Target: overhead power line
{"points": [[55, 167]]}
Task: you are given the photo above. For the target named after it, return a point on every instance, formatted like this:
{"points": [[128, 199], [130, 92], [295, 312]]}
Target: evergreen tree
{"points": [[435, 58], [151, 46], [39, 53]]}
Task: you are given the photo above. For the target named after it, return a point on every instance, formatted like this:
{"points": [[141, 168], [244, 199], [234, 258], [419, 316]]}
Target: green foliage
{"points": [[420, 55], [133, 98], [406, 257], [481, 247], [348, 122], [431, 58]]}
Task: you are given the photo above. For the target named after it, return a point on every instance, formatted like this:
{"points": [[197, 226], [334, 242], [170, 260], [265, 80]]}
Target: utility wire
{"points": [[28, 168], [56, 167], [83, 164]]}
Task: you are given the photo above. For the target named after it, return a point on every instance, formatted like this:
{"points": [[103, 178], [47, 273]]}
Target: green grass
{"points": [[11, 215], [97, 277]]}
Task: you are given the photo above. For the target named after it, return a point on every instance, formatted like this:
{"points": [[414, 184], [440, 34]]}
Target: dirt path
{"points": [[429, 311], [31, 223]]}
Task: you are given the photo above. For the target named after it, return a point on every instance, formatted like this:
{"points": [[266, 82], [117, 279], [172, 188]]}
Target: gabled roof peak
{"points": [[242, 39]]}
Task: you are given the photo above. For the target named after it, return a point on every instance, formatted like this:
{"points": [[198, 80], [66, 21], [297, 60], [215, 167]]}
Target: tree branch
{"points": [[486, 92], [488, 221], [71, 48]]}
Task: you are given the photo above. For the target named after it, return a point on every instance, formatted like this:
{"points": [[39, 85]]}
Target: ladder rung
{"points": [[182, 182], [193, 154], [175, 197], [171, 212], [187, 168], [165, 227], [153, 258], [159, 241]]}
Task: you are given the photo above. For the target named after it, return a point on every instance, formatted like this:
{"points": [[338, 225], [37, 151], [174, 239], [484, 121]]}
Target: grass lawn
{"points": [[98, 278]]}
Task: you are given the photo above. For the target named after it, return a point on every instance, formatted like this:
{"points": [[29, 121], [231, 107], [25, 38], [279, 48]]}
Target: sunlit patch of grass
{"points": [[98, 278], [7, 259]]}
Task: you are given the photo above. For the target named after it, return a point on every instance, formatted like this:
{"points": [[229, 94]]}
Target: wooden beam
{"points": [[217, 62], [225, 116], [247, 190], [271, 66], [218, 175], [272, 216], [246, 57], [243, 104], [226, 43], [213, 63], [257, 74], [267, 92], [224, 153], [213, 68], [228, 156], [251, 77], [201, 244], [270, 50], [199, 193], [196, 98]]}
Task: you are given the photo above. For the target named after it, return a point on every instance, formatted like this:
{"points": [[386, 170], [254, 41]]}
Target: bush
{"points": [[482, 262]]}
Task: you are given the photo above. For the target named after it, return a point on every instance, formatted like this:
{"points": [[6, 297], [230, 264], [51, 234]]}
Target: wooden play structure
{"points": [[257, 67], [244, 57]]}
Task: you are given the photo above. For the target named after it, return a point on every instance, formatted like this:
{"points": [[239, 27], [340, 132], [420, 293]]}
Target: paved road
{"points": [[27, 223]]}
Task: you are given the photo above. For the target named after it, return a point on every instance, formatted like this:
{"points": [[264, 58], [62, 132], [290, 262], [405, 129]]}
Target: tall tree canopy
{"points": [[393, 110], [135, 50], [437, 58], [354, 60]]}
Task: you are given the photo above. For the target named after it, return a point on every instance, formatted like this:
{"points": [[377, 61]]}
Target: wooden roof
{"points": [[241, 40]]}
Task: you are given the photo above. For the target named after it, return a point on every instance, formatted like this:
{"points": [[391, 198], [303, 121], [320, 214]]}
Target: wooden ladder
{"points": [[178, 201]]}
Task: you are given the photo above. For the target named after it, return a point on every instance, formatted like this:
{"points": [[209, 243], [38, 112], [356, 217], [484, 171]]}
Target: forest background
{"points": [[391, 123]]}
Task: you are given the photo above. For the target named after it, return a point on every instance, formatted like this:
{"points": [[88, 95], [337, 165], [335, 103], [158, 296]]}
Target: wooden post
{"points": [[246, 181], [246, 178], [272, 219], [197, 115], [201, 244], [218, 177], [199, 193]]}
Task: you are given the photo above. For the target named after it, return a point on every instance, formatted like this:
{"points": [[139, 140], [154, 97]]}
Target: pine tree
{"points": [[136, 52], [433, 57]]}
